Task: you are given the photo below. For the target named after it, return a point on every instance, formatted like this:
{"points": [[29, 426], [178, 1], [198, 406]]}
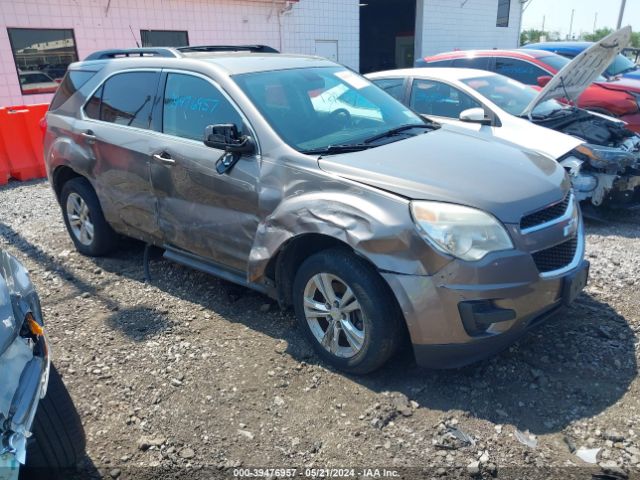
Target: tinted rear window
{"points": [[127, 98], [481, 63], [73, 80]]}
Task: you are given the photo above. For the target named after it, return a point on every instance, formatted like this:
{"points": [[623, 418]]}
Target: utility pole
{"points": [[573, 11], [544, 18], [595, 22], [622, 5]]}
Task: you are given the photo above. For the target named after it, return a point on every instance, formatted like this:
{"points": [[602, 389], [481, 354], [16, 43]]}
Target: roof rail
{"points": [[228, 48], [133, 52]]}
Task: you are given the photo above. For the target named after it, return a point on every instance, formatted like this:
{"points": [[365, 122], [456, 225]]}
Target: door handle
{"points": [[89, 136], [164, 158]]}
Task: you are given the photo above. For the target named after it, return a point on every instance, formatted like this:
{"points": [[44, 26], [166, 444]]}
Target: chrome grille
{"points": [[545, 215]]}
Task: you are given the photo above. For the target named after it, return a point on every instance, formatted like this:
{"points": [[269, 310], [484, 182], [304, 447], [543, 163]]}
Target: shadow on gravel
{"points": [[574, 366], [621, 223], [139, 323], [13, 184]]}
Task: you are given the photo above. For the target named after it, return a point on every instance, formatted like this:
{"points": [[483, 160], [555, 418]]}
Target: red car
{"points": [[619, 97]]}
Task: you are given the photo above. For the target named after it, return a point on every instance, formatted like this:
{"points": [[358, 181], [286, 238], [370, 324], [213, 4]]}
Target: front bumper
{"points": [[24, 374], [512, 298]]}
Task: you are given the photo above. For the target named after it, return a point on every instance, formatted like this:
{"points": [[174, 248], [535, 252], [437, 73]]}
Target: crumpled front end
{"points": [[606, 169], [24, 360]]}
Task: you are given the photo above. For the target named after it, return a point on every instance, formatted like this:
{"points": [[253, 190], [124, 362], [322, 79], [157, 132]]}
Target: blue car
{"points": [[620, 66]]}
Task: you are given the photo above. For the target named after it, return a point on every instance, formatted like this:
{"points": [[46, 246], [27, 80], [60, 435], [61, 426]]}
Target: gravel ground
{"points": [[190, 371]]}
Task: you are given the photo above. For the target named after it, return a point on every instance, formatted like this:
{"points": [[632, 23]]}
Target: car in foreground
{"points": [[620, 66], [604, 171], [618, 98], [39, 427], [299, 178]]}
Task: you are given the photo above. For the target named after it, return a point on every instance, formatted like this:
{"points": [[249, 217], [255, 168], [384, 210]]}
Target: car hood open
{"points": [[457, 167], [583, 70]]}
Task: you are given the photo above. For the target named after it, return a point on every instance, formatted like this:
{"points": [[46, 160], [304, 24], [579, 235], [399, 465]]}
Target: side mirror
{"points": [[226, 137], [543, 80], [475, 115]]}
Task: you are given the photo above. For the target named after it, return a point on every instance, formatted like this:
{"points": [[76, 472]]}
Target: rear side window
{"points": [[73, 81], [393, 86], [481, 63], [519, 70], [125, 99], [191, 103]]}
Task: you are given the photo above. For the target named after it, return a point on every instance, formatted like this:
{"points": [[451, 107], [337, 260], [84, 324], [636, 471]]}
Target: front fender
{"points": [[375, 226]]}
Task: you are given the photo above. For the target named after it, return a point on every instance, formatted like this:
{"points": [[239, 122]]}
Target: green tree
{"points": [[599, 34], [635, 39], [532, 36]]}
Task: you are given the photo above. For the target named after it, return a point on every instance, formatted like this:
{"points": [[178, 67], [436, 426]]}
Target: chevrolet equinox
{"points": [[297, 177]]}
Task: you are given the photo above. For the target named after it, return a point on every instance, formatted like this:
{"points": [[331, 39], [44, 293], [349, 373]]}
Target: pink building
{"points": [[39, 38]]}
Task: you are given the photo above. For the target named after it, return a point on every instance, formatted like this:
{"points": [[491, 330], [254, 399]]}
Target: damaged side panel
{"points": [[295, 203]]}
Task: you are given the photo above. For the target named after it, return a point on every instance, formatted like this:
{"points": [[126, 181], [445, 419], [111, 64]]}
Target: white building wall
{"points": [[206, 21], [324, 20], [445, 25]]}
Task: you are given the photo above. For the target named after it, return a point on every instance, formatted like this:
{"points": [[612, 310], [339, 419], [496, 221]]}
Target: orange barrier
{"points": [[21, 142]]}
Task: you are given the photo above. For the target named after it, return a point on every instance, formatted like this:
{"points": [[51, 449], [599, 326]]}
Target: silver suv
{"points": [[299, 178]]}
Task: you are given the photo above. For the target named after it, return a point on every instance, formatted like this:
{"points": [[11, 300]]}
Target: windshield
{"points": [[620, 64], [512, 96], [315, 108]]}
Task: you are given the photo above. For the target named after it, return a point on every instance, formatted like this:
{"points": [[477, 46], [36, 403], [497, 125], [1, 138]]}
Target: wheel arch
{"points": [[283, 266], [61, 175]]}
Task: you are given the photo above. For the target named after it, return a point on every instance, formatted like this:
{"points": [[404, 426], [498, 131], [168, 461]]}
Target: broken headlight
{"points": [[581, 181], [464, 232], [605, 157]]}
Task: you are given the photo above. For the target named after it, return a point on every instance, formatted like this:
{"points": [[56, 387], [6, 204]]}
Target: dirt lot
{"points": [[192, 371]]}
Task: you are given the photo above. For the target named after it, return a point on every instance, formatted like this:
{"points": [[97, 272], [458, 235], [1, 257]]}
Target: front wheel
{"points": [[346, 311], [58, 441]]}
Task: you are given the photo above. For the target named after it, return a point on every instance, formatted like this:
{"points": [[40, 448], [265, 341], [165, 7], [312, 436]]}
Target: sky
{"points": [[558, 15]]}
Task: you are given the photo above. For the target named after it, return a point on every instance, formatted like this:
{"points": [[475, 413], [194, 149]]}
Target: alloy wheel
{"points": [[334, 315]]}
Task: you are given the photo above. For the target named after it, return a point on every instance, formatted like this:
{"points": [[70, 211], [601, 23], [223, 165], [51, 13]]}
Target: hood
{"points": [[456, 167], [582, 71]]}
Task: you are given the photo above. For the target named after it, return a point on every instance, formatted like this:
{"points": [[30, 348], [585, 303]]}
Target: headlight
{"points": [[603, 157], [463, 232]]}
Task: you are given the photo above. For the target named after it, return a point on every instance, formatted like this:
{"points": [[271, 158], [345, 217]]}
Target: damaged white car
{"points": [[39, 425], [600, 154]]}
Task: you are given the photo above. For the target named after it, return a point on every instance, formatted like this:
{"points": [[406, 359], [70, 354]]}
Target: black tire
{"points": [[104, 240], [58, 441], [382, 320]]}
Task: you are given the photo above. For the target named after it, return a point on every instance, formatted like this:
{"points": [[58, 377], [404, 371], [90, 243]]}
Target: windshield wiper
{"points": [[395, 131], [333, 149]]}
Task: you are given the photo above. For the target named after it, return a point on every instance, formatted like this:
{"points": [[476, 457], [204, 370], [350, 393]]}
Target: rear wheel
{"points": [[90, 232], [346, 311]]}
